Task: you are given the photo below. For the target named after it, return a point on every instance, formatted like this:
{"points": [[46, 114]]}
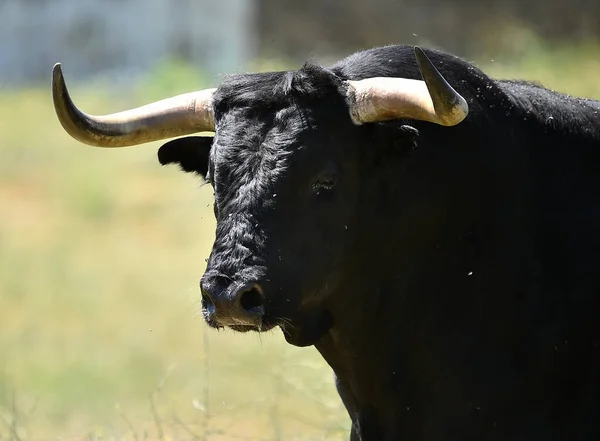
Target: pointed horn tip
{"points": [[421, 56], [460, 108], [57, 70], [58, 80]]}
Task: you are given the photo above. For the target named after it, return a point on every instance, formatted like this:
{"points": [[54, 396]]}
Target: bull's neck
{"points": [[554, 114], [389, 347], [417, 292], [362, 377]]}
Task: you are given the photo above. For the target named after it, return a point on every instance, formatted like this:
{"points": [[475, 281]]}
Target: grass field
{"points": [[100, 256]]}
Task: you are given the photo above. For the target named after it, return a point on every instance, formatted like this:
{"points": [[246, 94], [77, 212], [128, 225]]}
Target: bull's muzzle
{"points": [[236, 305]]}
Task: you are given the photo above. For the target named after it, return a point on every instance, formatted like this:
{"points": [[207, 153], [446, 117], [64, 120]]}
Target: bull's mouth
{"points": [[297, 336], [265, 327], [307, 332]]}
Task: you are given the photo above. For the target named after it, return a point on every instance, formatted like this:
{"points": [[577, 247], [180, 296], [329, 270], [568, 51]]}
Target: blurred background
{"points": [[101, 251]]}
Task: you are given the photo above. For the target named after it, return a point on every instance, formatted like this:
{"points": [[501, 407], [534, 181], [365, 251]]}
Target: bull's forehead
{"points": [[252, 153]]}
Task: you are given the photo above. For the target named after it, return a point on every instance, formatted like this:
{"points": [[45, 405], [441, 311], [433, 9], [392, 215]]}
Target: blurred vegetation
{"points": [[101, 252], [462, 26]]}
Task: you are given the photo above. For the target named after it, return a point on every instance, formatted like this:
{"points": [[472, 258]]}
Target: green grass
{"points": [[100, 256]]}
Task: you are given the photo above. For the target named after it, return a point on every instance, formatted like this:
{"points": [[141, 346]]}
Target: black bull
{"points": [[450, 275]]}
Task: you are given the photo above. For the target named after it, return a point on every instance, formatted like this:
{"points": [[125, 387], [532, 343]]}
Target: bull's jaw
{"points": [[308, 328], [306, 332]]}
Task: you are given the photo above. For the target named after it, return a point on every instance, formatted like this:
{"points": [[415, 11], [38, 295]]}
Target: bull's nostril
{"points": [[252, 299], [207, 303]]}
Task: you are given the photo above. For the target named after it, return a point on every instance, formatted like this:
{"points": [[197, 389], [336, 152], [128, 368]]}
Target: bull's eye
{"points": [[325, 182]]}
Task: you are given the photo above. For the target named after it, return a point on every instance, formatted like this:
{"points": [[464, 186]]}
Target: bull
{"points": [[433, 232]]}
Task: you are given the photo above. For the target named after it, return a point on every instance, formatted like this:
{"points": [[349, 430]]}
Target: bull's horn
{"points": [[383, 98], [176, 116]]}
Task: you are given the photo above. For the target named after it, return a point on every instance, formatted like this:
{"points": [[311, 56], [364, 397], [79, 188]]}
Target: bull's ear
{"points": [[191, 153]]}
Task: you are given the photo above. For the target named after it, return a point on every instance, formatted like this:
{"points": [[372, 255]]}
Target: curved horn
{"points": [[175, 116], [431, 99]]}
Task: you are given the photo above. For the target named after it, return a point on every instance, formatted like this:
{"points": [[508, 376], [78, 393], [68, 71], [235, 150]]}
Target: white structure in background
{"points": [[120, 38]]}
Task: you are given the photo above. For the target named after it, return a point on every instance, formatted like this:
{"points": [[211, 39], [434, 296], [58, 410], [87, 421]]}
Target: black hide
{"points": [[449, 275]]}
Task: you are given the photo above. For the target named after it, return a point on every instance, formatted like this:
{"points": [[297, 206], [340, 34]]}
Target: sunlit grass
{"points": [[101, 252]]}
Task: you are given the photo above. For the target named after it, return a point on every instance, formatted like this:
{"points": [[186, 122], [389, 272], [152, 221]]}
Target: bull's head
{"points": [[285, 164]]}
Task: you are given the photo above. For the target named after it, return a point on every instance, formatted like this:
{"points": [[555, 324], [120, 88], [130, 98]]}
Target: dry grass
{"points": [[100, 256]]}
